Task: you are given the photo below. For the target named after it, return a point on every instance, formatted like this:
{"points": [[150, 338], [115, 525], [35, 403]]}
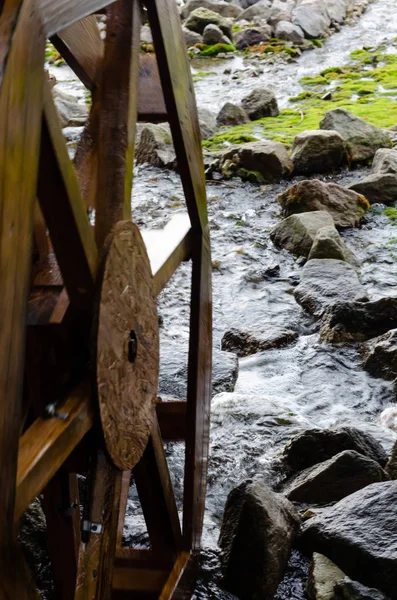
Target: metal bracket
{"points": [[91, 527]]}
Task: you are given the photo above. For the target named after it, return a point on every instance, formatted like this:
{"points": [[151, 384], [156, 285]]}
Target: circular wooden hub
{"points": [[127, 345]]}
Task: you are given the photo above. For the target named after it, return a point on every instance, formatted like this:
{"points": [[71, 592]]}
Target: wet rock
{"points": [[323, 574], [332, 480], [345, 206], [359, 321], [212, 35], [381, 356], [245, 343], [329, 244], [260, 103], [347, 589], [362, 139], [312, 23], [201, 17], [155, 147], [385, 161], [191, 37], [231, 114], [225, 9], [318, 445], [260, 9], [269, 159], [391, 467], [256, 538], [146, 35], [298, 232], [377, 188], [224, 371], [71, 113], [32, 537], [289, 32], [325, 282], [359, 534], [281, 11], [388, 418], [207, 122], [248, 3], [317, 152], [337, 9], [250, 37]]}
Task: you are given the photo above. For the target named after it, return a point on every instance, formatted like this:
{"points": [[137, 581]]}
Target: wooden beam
{"points": [[172, 420], [20, 121], [66, 218], [9, 14], [139, 571], [171, 586], [56, 15], [47, 443], [151, 105]]}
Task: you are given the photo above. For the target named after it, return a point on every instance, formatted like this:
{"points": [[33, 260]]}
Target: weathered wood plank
{"points": [[171, 586], [20, 119], [181, 104], [172, 420], [125, 486], [47, 443], [56, 15], [139, 571], [199, 393], [9, 14], [151, 105]]}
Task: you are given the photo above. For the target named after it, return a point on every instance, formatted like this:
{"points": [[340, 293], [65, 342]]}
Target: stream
{"points": [[280, 392]]}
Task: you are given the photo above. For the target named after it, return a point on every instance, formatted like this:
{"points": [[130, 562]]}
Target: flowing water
{"points": [[279, 392]]}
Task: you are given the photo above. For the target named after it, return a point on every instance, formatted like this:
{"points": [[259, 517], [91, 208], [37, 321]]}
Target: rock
{"points": [[225, 9], [207, 122], [359, 321], [345, 206], [260, 103], [388, 418], [313, 24], [337, 9], [377, 188], [212, 35], [381, 356], [260, 9], [269, 159], [146, 35], [250, 37], [231, 114], [191, 37], [155, 147], [224, 371], [245, 343], [359, 534], [256, 537], [317, 445], [281, 11], [325, 282], [297, 232], [317, 152], [362, 139], [248, 3], [201, 17], [391, 467], [33, 540], [347, 589], [329, 244], [332, 480], [323, 574], [385, 161], [285, 30], [71, 113]]}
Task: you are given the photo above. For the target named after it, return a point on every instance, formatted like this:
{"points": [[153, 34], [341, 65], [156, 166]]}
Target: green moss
{"points": [[201, 75], [317, 43], [337, 70], [217, 49], [302, 96], [252, 176], [235, 135], [52, 55], [318, 80], [391, 213]]}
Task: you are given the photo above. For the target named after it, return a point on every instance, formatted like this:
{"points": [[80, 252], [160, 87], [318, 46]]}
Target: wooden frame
{"points": [[52, 432]]}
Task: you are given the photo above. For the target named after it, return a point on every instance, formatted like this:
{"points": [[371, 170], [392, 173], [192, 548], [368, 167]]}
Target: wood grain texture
{"points": [[57, 15], [171, 586], [151, 105], [20, 119], [180, 101], [171, 416], [47, 443], [8, 18], [127, 392], [139, 571]]}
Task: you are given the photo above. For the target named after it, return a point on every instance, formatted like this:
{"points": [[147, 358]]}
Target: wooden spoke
{"points": [[57, 15], [172, 420], [125, 486], [172, 584], [151, 105], [20, 109], [139, 571]]}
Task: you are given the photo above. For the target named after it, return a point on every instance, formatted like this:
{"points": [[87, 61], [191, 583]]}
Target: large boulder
{"points": [[269, 159], [359, 321], [323, 574], [155, 147], [345, 206], [325, 282], [347, 589], [385, 161], [377, 188], [317, 152], [250, 37], [381, 356], [362, 139], [312, 23], [359, 534], [391, 467], [232, 114], [201, 17], [317, 445], [260, 9], [281, 12], [191, 37], [337, 9], [213, 35], [329, 244], [260, 103], [70, 112], [256, 538], [298, 232], [245, 343], [225, 9], [333, 479], [207, 122], [285, 30]]}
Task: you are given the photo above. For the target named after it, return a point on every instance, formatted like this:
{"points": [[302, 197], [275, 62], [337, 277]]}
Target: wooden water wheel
{"points": [[79, 335]]}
